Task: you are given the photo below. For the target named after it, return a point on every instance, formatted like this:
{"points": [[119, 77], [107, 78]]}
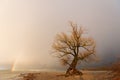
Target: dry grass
{"points": [[59, 76], [115, 71]]}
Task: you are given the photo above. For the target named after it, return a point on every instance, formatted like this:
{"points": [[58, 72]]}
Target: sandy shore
{"points": [[87, 75]]}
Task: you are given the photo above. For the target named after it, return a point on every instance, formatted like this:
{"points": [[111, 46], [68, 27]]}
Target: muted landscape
{"points": [[59, 40]]}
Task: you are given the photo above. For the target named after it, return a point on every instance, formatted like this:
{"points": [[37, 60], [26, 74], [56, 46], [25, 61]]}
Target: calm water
{"points": [[8, 75]]}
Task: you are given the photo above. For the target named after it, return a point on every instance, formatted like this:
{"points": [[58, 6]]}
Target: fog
{"points": [[28, 29]]}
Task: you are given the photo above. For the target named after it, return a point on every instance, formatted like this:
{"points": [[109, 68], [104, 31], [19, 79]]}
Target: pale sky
{"points": [[28, 29]]}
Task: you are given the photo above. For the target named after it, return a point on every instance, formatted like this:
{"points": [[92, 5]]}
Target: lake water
{"points": [[8, 75]]}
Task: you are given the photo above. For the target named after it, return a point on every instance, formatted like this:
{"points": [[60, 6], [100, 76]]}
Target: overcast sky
{"points": [[28, 28]]}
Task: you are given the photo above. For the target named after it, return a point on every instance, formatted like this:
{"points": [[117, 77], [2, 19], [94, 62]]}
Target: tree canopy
{"points": [[74, 47]]}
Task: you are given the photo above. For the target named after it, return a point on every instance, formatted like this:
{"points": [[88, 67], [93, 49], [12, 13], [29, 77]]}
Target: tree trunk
{"points": [[72, 68]]}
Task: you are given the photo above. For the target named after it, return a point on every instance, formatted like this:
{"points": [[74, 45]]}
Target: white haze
{"points": [[28, 28]]}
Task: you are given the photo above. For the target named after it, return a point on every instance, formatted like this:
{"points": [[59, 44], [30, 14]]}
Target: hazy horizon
{"points": [[28, 29]]}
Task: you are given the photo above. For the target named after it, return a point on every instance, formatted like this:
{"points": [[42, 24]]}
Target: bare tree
{"points": [[73, 48]]}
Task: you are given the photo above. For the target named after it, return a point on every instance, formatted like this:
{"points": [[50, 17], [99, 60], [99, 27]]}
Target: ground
{"points": [[87, 75]]}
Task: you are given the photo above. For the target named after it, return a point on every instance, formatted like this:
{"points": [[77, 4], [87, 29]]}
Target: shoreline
{"points": [[52, 75]]}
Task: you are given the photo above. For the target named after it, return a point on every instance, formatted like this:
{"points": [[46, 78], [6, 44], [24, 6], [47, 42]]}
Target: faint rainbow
{"points": [[14, 65], [15, 62]]}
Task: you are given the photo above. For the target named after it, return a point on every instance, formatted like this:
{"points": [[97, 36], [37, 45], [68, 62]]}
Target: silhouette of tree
{"points": [[73, 48]]}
